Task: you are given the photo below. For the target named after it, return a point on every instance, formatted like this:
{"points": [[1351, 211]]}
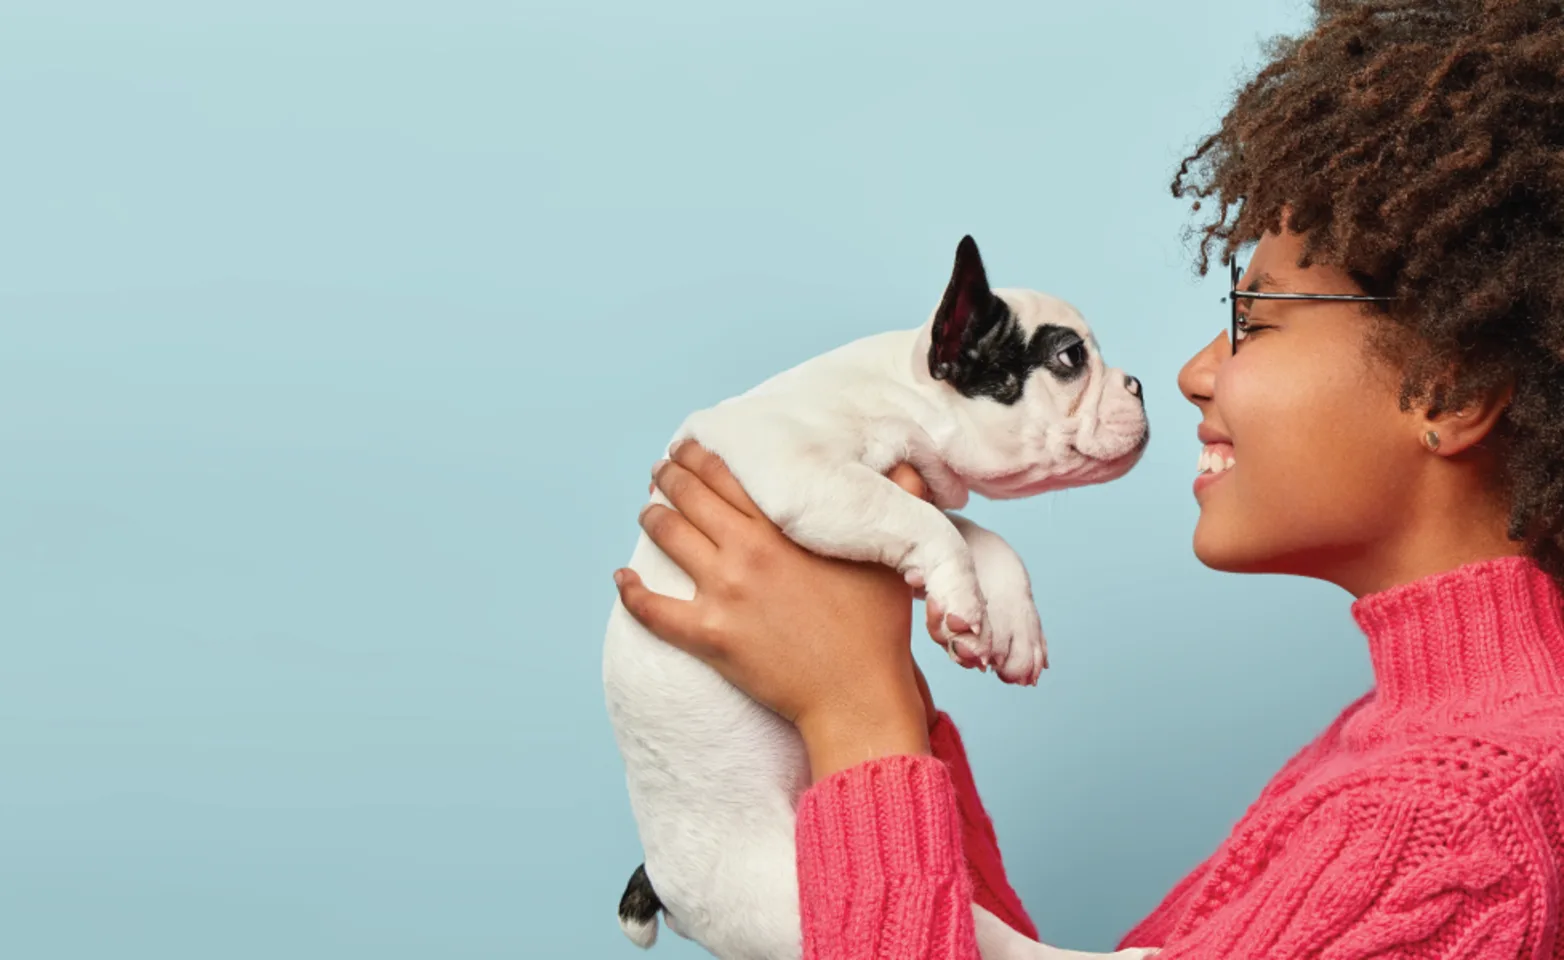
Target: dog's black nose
{"points": [[1132, 385]]}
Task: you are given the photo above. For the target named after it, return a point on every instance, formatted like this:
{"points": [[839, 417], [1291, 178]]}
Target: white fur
{"points": [[641, 934], [713, 777]]}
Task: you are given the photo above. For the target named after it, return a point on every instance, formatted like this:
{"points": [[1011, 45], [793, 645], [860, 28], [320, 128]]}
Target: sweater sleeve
{"points": [[991, 888], [1369, 872], [880, 867]]}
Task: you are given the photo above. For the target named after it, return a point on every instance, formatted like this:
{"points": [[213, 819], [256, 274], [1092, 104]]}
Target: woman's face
{"points": [[1309, 417]]}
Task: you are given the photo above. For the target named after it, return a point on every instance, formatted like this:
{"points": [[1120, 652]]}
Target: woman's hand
{"points": [[823, 642]]}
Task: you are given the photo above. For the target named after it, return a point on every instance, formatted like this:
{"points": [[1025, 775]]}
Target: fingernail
{"points": [[620, 577]]}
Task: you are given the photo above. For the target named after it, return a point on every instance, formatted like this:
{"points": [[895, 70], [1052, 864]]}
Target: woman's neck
{"points": [[1448, 525], [1386, 573]]}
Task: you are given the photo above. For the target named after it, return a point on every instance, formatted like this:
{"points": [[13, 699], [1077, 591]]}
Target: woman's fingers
{"points": [[906, 476], [934, 619], [715, 475], [676, 621], [674, 535], [703, 507]]}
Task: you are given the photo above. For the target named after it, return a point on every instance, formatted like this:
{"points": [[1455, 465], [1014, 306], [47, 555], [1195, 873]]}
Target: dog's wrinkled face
{"points": [[1036, 406]]}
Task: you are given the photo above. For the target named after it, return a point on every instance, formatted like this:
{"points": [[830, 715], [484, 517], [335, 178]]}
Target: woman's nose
{"points": [[1198, 377]]}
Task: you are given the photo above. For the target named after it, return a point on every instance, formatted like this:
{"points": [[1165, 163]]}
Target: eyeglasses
{"points": [[1234, 293]]}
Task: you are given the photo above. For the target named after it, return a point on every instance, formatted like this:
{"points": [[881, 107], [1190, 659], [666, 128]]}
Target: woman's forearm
{"points": [[887, 722]]}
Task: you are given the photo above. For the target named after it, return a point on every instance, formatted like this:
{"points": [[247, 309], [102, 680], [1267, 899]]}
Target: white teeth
{"points": [[1213, 462]]}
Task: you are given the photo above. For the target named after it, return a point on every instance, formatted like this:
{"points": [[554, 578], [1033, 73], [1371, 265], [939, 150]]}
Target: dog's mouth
{"points": [[1089, 470]]}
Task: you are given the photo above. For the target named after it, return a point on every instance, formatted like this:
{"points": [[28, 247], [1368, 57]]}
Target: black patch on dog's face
{"points": [[981, 349]]}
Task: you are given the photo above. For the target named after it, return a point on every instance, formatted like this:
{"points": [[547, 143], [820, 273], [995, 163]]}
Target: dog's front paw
{"points": [[1020, 650], [957, 612], [1015, 643]]}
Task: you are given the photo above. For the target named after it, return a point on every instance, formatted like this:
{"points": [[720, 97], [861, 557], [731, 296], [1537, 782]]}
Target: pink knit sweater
{"points": [[1427, 821]]}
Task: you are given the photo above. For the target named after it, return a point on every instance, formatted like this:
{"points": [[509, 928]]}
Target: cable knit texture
{"points": [[1426, 822]]}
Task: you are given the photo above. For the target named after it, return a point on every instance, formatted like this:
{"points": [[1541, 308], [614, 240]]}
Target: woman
{"points": [[1389, 399]]}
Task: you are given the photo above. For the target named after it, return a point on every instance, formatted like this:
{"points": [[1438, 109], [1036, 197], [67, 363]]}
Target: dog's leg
{"points": [[1020, 651], [848, 510], [998, 941]]}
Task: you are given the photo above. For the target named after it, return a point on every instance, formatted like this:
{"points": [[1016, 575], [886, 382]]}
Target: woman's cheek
{"points": [[1285, 443], [1255, 414], [1310, 446]]}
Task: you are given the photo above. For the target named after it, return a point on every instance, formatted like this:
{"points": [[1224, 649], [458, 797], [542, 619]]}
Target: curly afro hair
{"points": [[1420, 146]]}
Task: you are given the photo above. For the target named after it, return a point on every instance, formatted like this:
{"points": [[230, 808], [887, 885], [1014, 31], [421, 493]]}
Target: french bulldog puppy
{"points": [[1002, 392]]}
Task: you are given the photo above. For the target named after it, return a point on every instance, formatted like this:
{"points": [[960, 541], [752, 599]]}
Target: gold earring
{"points": [[1431, 439]]}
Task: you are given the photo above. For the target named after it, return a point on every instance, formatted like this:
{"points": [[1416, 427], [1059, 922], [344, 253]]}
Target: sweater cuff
{"points": [[880, 865]]}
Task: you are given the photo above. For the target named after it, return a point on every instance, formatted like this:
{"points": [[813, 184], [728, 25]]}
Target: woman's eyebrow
{"points": [[1266, 280]]}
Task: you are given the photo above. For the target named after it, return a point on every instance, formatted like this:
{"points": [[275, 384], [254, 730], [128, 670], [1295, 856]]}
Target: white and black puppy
{"points": [[1002, 392]]}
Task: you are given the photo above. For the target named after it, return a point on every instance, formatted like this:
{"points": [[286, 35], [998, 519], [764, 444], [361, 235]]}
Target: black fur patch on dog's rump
{"points": [[639, 903]]}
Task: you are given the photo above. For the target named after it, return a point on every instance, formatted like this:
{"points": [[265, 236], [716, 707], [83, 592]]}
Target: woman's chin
{"points": [[1227, 551]]}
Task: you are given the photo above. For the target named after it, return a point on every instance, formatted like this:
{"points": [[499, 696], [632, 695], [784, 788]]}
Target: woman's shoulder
{"points": [[1496, 771], [1352, 851], [1455, 760], [1477, 751], [1313, 757], [1454, 767], [1379, 813]]}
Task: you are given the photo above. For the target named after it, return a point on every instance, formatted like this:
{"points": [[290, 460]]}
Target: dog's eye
{"points": [[1073, 356]]}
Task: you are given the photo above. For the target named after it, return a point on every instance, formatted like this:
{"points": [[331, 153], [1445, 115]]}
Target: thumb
{"points": [[906, 476], [669, 619]]}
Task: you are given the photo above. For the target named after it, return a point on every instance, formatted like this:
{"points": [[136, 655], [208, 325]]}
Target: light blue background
{"points": [[336, 340]]}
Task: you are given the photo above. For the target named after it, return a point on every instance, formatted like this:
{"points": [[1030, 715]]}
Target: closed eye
{"points": [[1248, 327]]}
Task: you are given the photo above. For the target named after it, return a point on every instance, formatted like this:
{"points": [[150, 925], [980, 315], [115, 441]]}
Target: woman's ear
{"points": [[1454, 431]]}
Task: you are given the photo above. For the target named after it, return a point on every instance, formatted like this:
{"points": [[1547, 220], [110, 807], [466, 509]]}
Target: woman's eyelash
{"points": [[1247, 326]]}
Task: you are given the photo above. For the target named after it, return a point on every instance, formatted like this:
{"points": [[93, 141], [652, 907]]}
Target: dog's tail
{"points": [[638, 909]]}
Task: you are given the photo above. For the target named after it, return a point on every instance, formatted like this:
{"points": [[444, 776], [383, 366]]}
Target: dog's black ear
{"points": [[967, 316]]}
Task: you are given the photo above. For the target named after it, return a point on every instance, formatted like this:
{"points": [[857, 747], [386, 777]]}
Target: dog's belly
{"points": [[713, 778]]}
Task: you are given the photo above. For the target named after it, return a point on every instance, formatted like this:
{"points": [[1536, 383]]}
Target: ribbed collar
{"points": [[1487, 631]]}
